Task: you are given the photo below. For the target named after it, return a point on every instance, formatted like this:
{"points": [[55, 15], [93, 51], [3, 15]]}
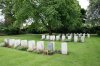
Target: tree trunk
{"points": [[48, 27], [50, 31]]}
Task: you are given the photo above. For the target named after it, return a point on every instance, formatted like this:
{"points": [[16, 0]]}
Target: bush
{"points": [[12, 30], [98, 32]]}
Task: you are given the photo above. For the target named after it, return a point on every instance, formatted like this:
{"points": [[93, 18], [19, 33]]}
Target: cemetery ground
{"points": [[80, 54]]}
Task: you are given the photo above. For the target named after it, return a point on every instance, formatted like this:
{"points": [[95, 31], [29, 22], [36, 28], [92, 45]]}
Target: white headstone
{"points": [[58, 37], [31, 45], [17, 43], [53, 37], [66, 34], [88, 35], [74, 34], [24, 43], [69, 37], [79, 35], [71, 34], [47, 37], [75, 38], [84, 35], [6, 41], [51, 46], [43, 37], [82, 38], [40, 45], [11, 42], [63, 37], [64, 49]]}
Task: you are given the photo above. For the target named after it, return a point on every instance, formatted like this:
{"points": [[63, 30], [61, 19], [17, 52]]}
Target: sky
{"points": [[1, 16], [84, 3]]}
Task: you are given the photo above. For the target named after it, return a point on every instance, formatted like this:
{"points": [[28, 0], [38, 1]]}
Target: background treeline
{"points": [[46, 16]]}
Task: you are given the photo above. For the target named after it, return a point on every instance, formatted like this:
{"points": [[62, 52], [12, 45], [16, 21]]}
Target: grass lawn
{"points": [[81, 54]]}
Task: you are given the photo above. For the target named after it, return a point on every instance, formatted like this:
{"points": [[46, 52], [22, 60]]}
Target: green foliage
{"points": [[98, 32], [53, 14], [12, 30], [49, 15], [36, 28], [83, 12], [7, 6], [93, 12]]}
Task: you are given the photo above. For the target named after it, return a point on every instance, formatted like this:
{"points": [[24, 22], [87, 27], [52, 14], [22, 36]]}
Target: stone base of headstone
{"points": [[45, 52], [58, 51], [48, 52], [39, 51], [31, 50]]}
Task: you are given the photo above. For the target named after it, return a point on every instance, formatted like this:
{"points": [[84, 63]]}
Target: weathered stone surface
{"points": [[40, 45], [31, 45], [75, 38], [64, 49], [51, 46], [24, 43], [17, 43]]}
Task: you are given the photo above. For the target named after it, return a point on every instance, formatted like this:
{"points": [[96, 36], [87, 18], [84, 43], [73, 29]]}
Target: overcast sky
{"points": [[84, 3]]}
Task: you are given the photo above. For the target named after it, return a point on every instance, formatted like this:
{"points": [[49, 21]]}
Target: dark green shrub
{"points": [[98, 32], [12, 30]]}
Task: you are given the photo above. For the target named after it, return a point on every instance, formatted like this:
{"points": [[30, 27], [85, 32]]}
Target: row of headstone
{"points": [[68, 37], [32, 45], [77, 38]]}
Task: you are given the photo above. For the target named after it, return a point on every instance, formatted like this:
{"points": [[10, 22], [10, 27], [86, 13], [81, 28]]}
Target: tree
{"points": [[53, 14], [7, 6], [93, 13], [83, 12], [70, 15]]}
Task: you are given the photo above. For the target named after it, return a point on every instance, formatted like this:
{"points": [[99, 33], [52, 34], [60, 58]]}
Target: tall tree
{"points": [[53, 14], [69, 11], [83, 12], [7, 6], [93, 13]]}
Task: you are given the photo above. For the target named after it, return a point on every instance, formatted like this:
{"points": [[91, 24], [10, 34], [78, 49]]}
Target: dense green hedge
{"points": [[11, 30], [16, 30]]}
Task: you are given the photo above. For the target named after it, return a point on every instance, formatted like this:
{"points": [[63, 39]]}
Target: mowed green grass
{"points": [[80, 54]]}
